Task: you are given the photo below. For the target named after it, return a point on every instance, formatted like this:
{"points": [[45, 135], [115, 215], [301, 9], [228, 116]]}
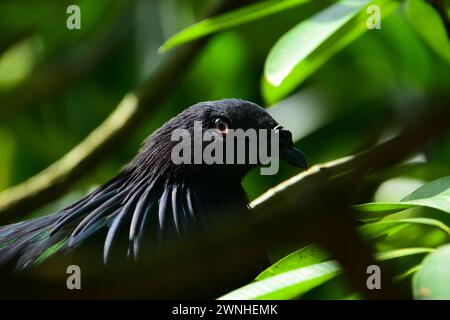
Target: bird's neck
{"points": [[209, 196]]}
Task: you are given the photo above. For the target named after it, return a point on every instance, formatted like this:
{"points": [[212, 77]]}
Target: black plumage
{"points": [[151, 198]]}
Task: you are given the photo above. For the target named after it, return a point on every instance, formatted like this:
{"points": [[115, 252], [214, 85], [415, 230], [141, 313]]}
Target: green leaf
{"points": [[390, 223], [427, 221], [385, 207], [286, 278], [301, 258], [306, 47], [430, 189], [294, 283], [379, 229], [313, 253], [228, 20], [435, 194], [398, 253], [287, 285], [408, 273], [432, 281], [428, 24]]}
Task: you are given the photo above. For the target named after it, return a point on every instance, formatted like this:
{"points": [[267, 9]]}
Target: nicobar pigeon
{"points": [[151, 198]]}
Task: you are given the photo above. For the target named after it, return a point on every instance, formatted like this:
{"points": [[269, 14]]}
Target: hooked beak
{"points": [[288, 151]]}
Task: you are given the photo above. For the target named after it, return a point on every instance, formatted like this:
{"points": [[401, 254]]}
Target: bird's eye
{"points": [[221, 125]]}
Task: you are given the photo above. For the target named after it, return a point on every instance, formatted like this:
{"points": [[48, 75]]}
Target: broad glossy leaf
{"points": [[306, 47], [294, 283], [287, 285], [286, 278], [389, 224], [313, 253], [301, 258], [435, 194], [375, 230], [432, 281], [229, 20], [430, 189], [426, 221], [428, 24]]}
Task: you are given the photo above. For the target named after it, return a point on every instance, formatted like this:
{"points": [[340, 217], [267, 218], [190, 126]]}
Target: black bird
{"points": [[151, 196]]}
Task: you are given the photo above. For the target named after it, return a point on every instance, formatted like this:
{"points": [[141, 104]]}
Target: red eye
{"points": [[221, 125]]}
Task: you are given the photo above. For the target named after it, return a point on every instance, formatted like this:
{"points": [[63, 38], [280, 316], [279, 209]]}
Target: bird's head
{"points": [[223, 138]]}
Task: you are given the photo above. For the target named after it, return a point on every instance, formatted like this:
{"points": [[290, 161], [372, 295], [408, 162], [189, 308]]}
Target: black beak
{"points": [[288, 151], [293, 156]]}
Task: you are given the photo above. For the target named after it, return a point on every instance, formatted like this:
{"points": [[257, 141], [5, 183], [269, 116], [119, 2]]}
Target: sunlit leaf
{"points": [[301, 258], [435, 194], [427, 221], [294, 283], [229, 20], [432, 281], [17, 62], [389, 223], [430, 189], [398, 253], [287, 285], [306, 47], [427, 22], [313, 253], [354, 296], [377, 229]]}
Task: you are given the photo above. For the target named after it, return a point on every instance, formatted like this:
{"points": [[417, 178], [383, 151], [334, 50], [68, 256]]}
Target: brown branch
{"points": [[130, 113]]}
